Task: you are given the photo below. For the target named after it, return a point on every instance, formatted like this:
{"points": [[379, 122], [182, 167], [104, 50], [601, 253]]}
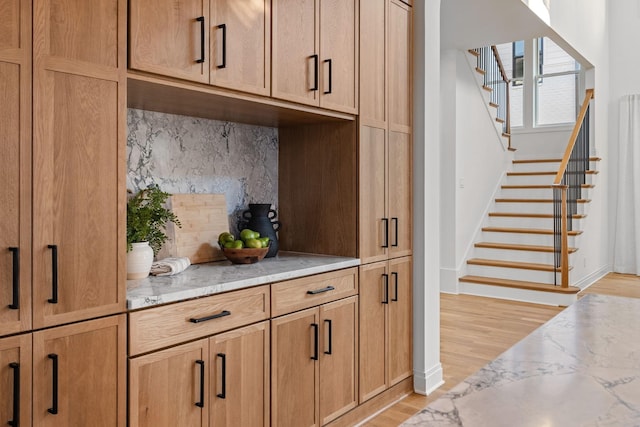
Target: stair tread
{"points": [[516, 200], [529, 173], [499, 120], [481, 71], [513, 264], [518, 247], [493, 104], [538, 186], [473, 52], [592, 159], [531, 215], [527, 230], [487, 88], [535, 286]]}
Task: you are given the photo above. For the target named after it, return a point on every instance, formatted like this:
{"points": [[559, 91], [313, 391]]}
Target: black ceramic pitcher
{"points": [[261, 218]]}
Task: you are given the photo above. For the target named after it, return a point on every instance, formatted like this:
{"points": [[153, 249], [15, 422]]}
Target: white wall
{"points": [[550, 142], [624, 34]]}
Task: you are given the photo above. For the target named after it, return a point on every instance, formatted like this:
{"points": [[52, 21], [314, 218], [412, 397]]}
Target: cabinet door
{"points": [[170, 38], [400, 194], [338, 59], [400, 320], [294, 369], [170, 387], [338, 360], [78, 156], [241, 45], [240, 373], [295, 51], [374, 300], [373, 70], [400, 67], [373, 231], [15, 166], [79, 374], [15, 380]]}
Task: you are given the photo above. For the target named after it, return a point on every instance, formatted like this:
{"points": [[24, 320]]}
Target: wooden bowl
{"points": [[245, 255]]}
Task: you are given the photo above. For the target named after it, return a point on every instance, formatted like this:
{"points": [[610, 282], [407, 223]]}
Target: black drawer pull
{"points": [[319, 291], [200, 19], [200, 403], [315, 72], [326, 92], [395, 286], [385, 284], [223, 313], [15, 422], [15, 303], [315, 341], [328, 322], [54, 409], [395, 241], [54, 274], [386, 232], [223, 395], [223, 27]]}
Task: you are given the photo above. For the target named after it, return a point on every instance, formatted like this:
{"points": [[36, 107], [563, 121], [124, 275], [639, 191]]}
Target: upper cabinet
{"points": [[222, 42], [79, 83], [15, 166], [241, 45], [400, 62], [315, 48]]}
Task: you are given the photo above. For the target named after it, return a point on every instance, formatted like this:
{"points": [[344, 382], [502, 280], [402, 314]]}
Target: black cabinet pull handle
{"points": [[223, 313], [15, 422], [200, 19], [395, 221], [330, 76], [15, 303], [200, 403], [385, 285], [315, 72], [328, 322], [223, 395], [54, 409], [54, 274], [315, 341], [319, 291], [386, 232], [223, 27], [395, 286]]}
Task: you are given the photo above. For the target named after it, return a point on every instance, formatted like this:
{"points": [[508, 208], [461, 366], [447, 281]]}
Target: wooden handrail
{"points": [[497, 56], [574, 136]]}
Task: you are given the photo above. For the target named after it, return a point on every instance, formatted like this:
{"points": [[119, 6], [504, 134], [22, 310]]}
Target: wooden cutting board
{"points": [[203, 218]]}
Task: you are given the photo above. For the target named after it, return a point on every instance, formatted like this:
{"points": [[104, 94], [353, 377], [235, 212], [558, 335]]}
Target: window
{"points": [[517, 70]]}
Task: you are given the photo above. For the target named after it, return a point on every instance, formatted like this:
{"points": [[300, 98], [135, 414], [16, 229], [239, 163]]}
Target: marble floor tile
{"points": [[582, 368]]}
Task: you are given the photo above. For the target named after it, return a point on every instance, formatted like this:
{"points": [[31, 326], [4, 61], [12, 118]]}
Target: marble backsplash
{"points": [[195, 155]]}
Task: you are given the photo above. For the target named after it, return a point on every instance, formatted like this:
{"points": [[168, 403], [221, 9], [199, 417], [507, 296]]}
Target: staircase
{"points": [[515, 257]]}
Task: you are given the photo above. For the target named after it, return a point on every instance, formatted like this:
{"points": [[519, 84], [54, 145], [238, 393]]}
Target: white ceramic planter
{"points": [[139, 260]]}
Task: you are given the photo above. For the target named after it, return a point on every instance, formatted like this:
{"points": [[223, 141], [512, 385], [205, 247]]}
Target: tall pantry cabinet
{"points": [[63, 217], [385, 196]]}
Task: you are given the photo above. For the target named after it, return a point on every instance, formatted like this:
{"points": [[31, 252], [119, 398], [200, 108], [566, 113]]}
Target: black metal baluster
{"points": [[15, 422], [223, 27], [54, 274], [15, 303], [200, 403], [54, 408], [200, 19]]}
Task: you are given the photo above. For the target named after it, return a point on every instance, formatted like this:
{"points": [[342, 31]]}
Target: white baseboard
{"points": [[537, 297], [590, 279], [449, 280], [427, 382]]}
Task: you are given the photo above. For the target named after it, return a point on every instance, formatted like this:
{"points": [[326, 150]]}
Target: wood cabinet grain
{"points": [[15, 379]]}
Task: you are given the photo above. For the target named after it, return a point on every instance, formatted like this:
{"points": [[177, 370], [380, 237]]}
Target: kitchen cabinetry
{"points": [[79, 374], [222, 42], [314, 353], [15, 167], [217, 380], [315, 59], [78, 157], [15, 380], [385, 138], [385, 325]]}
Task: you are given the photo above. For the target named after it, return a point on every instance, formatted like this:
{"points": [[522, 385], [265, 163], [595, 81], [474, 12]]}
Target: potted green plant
{"points": [[147, 218]]}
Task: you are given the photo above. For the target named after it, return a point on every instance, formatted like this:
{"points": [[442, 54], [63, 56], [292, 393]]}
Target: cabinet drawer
{"points": [[172, 324], [298, 294]]}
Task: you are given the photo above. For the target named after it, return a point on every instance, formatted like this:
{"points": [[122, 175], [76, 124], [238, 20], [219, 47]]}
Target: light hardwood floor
{"points": [[476, 330]]}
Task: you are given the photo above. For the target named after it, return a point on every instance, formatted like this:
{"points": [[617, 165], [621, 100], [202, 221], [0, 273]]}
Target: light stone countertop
{"points": [[211, 278]]}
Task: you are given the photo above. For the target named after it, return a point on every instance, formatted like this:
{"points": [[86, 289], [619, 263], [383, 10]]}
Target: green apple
{"points": [[247, 234], [253, 243]]}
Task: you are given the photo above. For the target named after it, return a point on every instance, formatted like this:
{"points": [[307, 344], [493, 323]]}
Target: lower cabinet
{"points": [[314, 359], [385, 325], [15, 380], [222, 380]]}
